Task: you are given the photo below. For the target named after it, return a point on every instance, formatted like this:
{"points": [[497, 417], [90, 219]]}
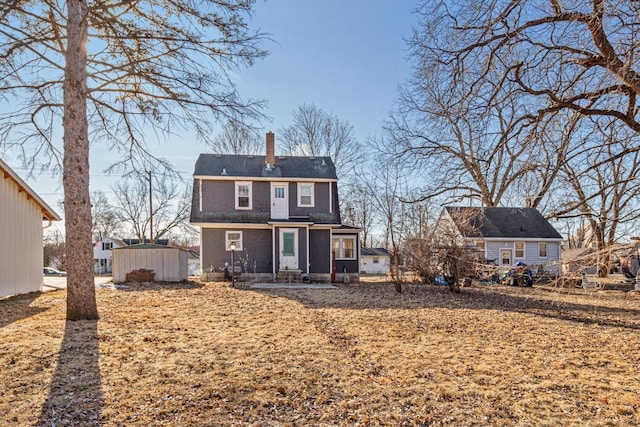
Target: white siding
{"points": [[368, 266], [21, 240], [169, 264]]}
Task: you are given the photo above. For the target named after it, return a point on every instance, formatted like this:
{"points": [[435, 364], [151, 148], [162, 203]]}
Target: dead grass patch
{"points": [[210, 355]]}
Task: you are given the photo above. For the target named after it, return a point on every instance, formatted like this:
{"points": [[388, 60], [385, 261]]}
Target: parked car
{"points": [[50, 271]]}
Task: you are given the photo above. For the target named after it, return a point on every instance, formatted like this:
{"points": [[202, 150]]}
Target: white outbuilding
{"points": [[22, 213], [168, 264]]}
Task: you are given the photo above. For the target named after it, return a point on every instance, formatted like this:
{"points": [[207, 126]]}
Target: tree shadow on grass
{"points": [[157, 286], [521, 300], [75, 396], [19, 307]]}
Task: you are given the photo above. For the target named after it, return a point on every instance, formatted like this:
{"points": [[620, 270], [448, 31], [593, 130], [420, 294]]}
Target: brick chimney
{"points": [[271, 155]]}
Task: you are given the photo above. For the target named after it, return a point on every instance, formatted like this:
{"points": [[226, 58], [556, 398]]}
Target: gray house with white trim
{"points": [[506, 236], [280, 213]]}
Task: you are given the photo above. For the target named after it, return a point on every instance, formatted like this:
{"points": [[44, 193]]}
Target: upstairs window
{"points": [[243, 195], [107, 246], [305, 195], [519, 249]]}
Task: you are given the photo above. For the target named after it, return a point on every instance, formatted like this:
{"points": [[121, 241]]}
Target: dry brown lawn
{"points": [[210, 355]]}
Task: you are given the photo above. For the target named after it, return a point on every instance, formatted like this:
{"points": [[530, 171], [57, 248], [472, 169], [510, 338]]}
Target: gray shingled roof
{"points": [[525, 223], [374, 252], [254, 166]]}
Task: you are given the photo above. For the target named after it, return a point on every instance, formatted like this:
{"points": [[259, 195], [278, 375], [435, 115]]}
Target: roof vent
{"points": [[218, 156], [268, 167], [324, 163], [224, 171]]}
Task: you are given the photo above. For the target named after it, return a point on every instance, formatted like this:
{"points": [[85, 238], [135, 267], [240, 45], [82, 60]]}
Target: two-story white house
{"points": [[273, 214], [102, 255], [506, 236]]}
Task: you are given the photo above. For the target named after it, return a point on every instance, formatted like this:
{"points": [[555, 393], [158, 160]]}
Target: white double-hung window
{"points": [[234, 237], [243, 195], [305, 195], [519, 249]]}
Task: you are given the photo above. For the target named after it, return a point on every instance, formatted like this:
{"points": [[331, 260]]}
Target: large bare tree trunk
{"points": [[81, 296]]}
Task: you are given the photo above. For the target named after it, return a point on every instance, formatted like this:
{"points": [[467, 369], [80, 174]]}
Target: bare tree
{"points": [[450, 250], [601, 186], [357, 209], [561, 55], [115, 70], [106, 221], [170, 205], [480, 143], [317, 133], [236, 138], [387, 187]]}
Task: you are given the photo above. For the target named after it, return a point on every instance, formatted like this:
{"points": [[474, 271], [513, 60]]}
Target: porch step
{"points": [[289, 275]]}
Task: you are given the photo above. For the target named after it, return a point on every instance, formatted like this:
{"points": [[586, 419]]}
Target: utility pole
{"points": [[150, 210]]}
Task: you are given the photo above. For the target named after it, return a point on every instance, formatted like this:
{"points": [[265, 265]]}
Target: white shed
{"points": [[21, 214], [168, 264]]}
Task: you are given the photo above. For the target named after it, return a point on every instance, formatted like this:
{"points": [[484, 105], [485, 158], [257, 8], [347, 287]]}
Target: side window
{"points": [[344, 247], [542, 249], [519, 250]]}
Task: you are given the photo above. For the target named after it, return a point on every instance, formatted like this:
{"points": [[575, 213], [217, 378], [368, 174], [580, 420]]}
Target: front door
{"points": [[505, 257], [288, 249], [279, 201]]}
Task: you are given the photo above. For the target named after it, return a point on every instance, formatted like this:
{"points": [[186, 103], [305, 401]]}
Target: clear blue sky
{"points": [[345, 56]]}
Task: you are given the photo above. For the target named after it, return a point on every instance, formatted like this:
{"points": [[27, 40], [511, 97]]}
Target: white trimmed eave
{"points": [[514, 239], [347, 231], [261, 178], [230, 225], [47, 213]]}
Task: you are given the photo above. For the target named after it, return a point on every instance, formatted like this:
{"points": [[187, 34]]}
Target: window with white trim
{"points": [[344, 247], [519, 250], [243, 195], [305, 195], [233, 237], [542, 249]]}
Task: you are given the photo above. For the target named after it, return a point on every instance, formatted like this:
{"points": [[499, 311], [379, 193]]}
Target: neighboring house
{"points": [[168, 264], [102, 255], [578, 260], [505, 236], [21, 253], [280, 214], [375, 260]]}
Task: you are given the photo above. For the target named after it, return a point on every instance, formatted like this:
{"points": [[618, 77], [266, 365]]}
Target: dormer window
{"points": [[243, 195], [305, 195]]}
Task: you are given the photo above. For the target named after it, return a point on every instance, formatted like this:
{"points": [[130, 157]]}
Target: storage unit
{"points": [[168, 264], [21, 214]]}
